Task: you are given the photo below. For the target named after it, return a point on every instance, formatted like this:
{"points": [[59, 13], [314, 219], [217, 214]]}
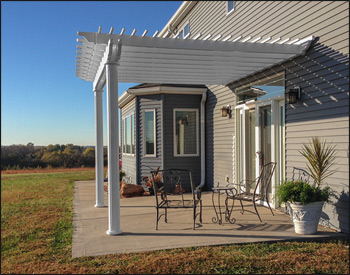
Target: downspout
{"points": [[204, 98]]}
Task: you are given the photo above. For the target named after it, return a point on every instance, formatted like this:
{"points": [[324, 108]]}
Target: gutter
{"points": [[204, 98], [181, 12]]}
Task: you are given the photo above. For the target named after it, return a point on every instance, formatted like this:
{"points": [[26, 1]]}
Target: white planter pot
{"points": [[306, 217]]}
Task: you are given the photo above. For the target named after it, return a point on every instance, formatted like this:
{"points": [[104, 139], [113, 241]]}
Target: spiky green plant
{"points": [[321, 158]]}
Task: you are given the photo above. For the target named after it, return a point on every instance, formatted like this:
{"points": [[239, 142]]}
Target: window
{"points": [[132, 134], [186, 132], [150, 133], [230, 6], [185, 31], [128, 135]]}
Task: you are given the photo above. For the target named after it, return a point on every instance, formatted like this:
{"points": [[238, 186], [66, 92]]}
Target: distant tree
{"points": [[72, 156], [69, 155], [53, 159], [89, 157]]}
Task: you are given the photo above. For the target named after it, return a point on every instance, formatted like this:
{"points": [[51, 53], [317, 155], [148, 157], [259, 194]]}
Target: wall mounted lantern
{"points": [[226, 110], [292, 95], [184, 120]]}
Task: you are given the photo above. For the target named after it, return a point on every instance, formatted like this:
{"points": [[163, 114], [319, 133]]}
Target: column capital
{"points": [[97, 90], [112, 63]]}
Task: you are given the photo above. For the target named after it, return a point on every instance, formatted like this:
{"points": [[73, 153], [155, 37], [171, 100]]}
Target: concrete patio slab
{"points": [[138, 220]]}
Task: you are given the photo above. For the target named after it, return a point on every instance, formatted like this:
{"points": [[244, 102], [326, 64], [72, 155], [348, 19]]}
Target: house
{"points": [[161, 125]]}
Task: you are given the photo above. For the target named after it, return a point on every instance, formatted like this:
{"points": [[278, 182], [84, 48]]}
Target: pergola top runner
{"points": [[146, 59]]}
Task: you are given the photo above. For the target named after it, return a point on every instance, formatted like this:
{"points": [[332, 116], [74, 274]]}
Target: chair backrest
{"points": [[171, 182], [264, 180], [301, 174]]}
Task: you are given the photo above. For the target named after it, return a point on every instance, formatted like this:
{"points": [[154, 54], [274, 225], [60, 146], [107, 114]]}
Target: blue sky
{"points": [[42, 101]]}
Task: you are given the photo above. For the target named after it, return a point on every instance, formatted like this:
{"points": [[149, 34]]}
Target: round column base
{"points": [[99, 205], [113, 233]]}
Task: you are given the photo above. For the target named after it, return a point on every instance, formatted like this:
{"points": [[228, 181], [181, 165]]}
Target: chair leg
{"points": [[256, 210], [242, 211], [157, 218], [270, 207], [194, 215], [166, 215], [200, 215]]}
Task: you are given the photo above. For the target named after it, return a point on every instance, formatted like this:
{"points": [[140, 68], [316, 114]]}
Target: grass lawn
{"points": [[36, 237]]}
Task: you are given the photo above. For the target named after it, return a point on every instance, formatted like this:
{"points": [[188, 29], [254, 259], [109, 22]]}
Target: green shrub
{"points": [[299, 191], [122, 174]]}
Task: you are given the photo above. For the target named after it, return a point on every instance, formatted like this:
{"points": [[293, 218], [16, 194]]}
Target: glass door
{"points": [[265, 142], [270, 140], [260, 129], [245, 134], [265, 134]]}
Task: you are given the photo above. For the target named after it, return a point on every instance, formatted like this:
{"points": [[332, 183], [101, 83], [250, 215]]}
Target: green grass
{"points": [[36, 237]]}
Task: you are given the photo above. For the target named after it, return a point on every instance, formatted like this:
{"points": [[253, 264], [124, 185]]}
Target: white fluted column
{"points": [[113, 149], [99, 148]]}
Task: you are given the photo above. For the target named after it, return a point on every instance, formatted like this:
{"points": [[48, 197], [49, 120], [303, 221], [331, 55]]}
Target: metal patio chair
{"points": [[169, 190], [247, 191]]}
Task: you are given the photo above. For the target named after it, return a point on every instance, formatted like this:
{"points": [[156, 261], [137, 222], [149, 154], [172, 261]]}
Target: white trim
{"points": [[154, 133], [282, 140], [202, 135], [240, 150], [130, 94], [174, 132]]}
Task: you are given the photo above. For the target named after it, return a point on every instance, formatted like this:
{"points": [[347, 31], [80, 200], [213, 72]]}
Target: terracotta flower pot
{"points": [[306, 217]]}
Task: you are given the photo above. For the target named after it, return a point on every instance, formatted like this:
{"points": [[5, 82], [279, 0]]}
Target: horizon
{"points": [[42, 101]]}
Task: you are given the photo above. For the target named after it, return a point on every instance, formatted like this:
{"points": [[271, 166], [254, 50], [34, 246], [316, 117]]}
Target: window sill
{"points": [[128, 155], [185, 156], [150, 156]]}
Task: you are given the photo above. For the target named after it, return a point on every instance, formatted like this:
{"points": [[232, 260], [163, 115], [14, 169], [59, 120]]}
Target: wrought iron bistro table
{"points": [[229, 193]]}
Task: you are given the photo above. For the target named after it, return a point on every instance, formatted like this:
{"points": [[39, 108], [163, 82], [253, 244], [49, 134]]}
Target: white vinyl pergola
{"points": [[106, 59]]}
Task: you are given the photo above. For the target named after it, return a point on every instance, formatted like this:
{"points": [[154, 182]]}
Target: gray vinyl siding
{"points": [[170, 161], [323, 75], [129, 161], [149, 102], [323, 112], [220, 136]]}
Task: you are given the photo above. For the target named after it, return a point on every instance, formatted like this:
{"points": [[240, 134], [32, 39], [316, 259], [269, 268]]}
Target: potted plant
{"points": [[305, 200]]}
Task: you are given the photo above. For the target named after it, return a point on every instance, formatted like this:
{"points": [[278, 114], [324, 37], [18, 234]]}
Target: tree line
{"points": [[51, 156]]}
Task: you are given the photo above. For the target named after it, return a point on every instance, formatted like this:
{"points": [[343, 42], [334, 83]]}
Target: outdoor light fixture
{"points": [[292, 95], [226, 110], [184, 120]]}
